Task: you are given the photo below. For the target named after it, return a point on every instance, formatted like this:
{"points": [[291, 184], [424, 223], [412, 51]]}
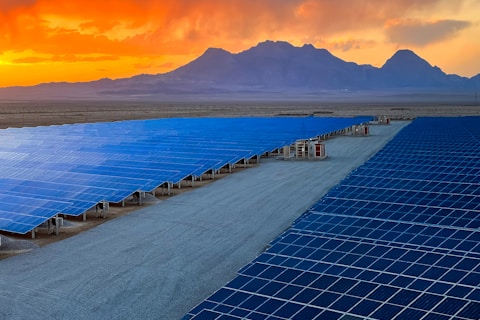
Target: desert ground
{"points": [[37, 113], [159, 260]]}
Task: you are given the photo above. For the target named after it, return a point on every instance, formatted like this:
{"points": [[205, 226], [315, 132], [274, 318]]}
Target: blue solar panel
{"points": [[80, 165], [21, 214], [396, 239]]}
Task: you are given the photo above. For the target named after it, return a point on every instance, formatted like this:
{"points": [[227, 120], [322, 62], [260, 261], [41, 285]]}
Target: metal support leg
{"points": [[104, 209], [57, 225]]}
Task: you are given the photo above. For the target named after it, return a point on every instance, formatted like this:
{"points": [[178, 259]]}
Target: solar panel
{"points": [[397, 239], [77, 166]]}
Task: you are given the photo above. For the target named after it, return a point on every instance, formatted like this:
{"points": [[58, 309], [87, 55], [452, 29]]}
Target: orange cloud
{"points": [[150, 26], [421, 33], [65, 58], [351, 44], [147, 32]]}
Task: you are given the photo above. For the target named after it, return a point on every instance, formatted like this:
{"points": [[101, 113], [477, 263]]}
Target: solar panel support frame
{"points": [[103, 206]]}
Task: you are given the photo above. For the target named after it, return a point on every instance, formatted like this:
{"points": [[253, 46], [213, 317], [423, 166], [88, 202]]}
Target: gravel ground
{"points": [[162, 260], [8, 244]]}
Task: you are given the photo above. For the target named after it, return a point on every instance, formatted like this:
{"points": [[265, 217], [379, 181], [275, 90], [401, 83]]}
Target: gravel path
{"points": [[162, 260]]}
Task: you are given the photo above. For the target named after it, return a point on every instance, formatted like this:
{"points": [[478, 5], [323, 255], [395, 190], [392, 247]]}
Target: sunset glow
{"points": [[73, 40]]}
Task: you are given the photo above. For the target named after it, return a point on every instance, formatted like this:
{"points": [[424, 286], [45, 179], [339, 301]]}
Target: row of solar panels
{"points": [[69, 169], [383, 244]]}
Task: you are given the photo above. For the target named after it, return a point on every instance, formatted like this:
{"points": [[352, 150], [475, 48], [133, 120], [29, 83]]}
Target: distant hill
{"points": [[270, 68], [273, 65]]}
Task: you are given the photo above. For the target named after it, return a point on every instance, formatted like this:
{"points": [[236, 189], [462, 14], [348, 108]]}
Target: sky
{"points": [[83, 40]]}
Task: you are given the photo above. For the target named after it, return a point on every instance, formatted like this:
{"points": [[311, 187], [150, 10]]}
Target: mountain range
{"points": [[269, 68]]}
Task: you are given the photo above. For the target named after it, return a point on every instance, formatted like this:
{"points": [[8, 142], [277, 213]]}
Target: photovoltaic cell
{"points": [[70, 168], [398, 238]]}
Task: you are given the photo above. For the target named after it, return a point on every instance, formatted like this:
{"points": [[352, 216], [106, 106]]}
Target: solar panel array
{"points": [[398, 238], [69, 169]]}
